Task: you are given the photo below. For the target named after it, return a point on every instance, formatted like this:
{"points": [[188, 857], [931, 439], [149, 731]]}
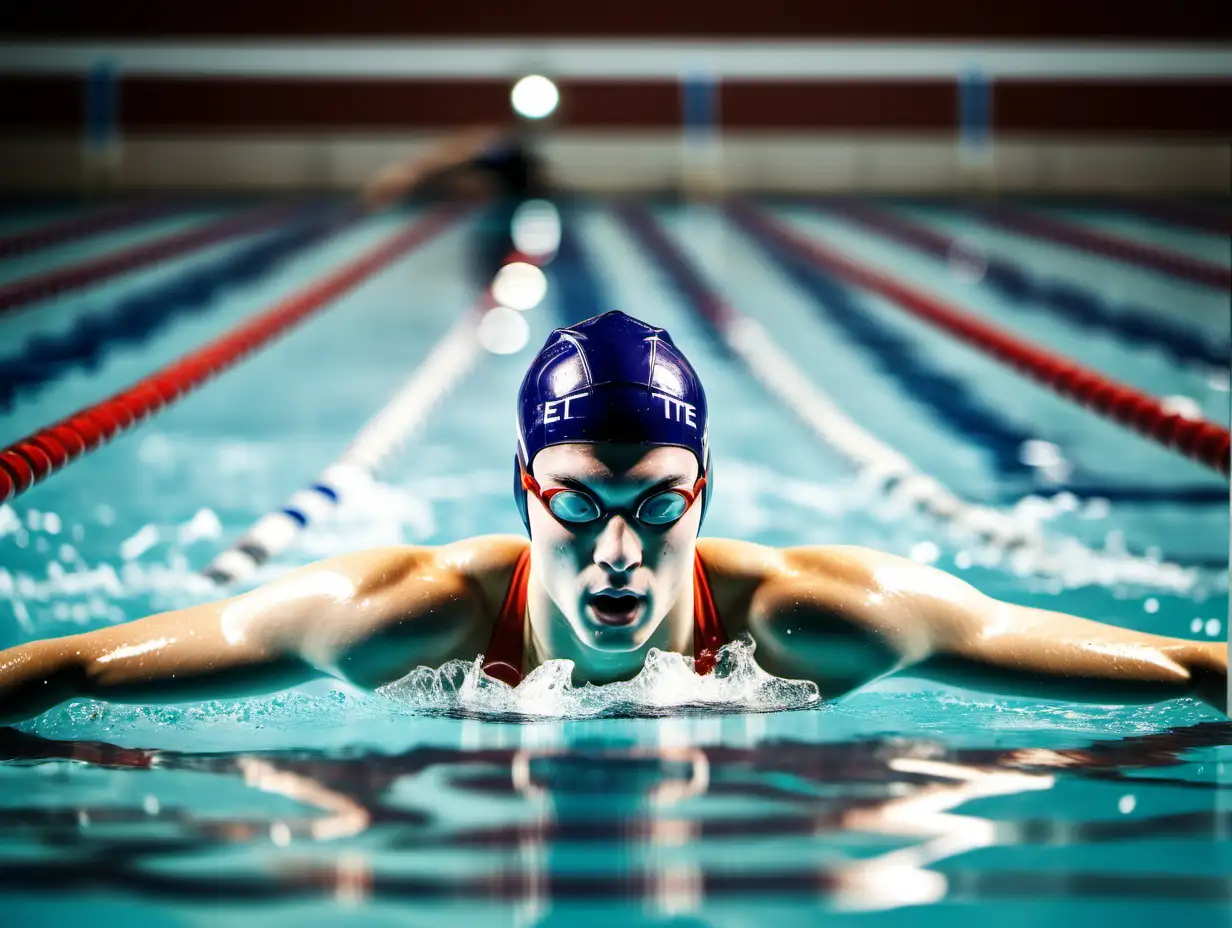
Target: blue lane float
{"points": [[951, 399], [136, 317], [1022, 289]]}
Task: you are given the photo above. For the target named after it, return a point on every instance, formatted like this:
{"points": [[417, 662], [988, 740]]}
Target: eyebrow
{"points": [[573, 482]]}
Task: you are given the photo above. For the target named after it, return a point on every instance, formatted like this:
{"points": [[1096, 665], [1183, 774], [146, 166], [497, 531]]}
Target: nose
{"points": [[618, 550]]}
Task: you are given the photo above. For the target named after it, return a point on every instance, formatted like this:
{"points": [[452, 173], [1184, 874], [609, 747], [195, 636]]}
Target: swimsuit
{"points": [[505, 653]]}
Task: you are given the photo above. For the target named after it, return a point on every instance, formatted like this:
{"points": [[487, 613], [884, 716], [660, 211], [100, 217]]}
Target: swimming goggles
{"points": [[572, 507]]}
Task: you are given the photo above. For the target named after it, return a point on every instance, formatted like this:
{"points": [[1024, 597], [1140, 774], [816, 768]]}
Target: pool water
{"points": [[903, 803]]}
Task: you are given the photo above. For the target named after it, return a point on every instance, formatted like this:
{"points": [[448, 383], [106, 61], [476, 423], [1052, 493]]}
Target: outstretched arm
{"points": [[396, 180], [900, 613], [366, 617]]}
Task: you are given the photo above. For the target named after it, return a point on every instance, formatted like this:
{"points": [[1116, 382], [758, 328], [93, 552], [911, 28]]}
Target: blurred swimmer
{"points": [[612, 477], [489, 162]]}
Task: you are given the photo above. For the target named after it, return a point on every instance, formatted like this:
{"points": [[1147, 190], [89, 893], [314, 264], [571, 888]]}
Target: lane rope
{"points": [[110, 219], [1198, 439], [1076, 304], [434, 378], [446, 364], [20, 293], [1029, 548], [1181, 213], [1108, 245], [36, 457], [136, 315]]}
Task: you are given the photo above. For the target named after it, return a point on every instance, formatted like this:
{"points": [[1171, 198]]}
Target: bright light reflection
{"points": [[534, 96], [503, 331], [536, 228], [135, 650], [1184, 406], [519, 286]]}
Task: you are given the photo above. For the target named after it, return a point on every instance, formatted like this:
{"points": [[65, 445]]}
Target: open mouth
{"points": [[612, 608]]}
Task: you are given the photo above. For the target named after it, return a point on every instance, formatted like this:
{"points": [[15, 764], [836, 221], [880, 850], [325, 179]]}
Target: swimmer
{"points": [[499, 164], [612, 476]]}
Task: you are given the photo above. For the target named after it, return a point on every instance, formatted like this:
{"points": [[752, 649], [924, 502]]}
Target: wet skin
{"points": [[837, 615]]}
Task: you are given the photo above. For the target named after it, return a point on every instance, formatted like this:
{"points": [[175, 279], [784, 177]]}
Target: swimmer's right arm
{"points": [[402, 177], [367, 618]]}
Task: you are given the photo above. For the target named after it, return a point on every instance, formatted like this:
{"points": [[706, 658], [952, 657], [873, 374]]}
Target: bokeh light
{"points": [[519, 285], [534, 96], [503, 331], [536, 229]]}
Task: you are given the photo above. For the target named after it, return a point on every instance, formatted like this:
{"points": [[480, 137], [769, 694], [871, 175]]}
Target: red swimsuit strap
{"points": [[504, 656], [708, 632]]}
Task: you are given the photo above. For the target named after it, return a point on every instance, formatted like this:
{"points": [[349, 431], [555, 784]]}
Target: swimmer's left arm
{"points": [[924, 618]]}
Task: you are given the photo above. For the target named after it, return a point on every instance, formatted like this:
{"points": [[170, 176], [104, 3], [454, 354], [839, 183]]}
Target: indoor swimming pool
{"points": [[667, 800]]}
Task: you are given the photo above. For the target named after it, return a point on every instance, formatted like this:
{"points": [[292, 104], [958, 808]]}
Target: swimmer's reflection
{"points": [[630, 823]]}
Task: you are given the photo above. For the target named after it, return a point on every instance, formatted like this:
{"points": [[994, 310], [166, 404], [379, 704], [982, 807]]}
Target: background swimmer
{"points": [[612, 474], [500, 163]]}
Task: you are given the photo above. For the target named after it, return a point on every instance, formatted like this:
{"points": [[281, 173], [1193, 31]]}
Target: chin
{"points": [[615, 638]]}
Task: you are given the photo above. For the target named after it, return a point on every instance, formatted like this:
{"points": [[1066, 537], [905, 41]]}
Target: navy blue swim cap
{"points": [[611, 378]]}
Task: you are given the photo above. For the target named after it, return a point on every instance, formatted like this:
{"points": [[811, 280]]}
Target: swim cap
{"points": [[610, 378]]}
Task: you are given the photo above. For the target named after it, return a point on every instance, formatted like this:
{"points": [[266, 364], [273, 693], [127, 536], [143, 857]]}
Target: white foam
{"points": [[666, 683]]}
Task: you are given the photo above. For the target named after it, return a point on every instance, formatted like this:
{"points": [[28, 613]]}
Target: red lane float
{"points": [[93, 223], [20, 293], [41, 454], [1108, 245], [1202, 441]]}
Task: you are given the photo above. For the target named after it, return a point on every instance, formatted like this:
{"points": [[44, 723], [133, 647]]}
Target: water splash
{"points": [[666, 684]]}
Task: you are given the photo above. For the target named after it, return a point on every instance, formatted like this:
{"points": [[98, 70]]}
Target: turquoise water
{"points": [[902, 803]]}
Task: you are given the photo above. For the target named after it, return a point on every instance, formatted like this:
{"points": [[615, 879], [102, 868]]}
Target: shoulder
{"points": [[469, 569], [729, 561], [828, 612], [486, 562], [393, 608]]}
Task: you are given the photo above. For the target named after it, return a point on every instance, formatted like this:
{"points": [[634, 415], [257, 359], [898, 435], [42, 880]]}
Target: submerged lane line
{"points": [[19, 294], [1107, 245], [34, 458], [1181, 214], [1198, 439], [778, 373], [1023, 288], [95, 222], [138, 314]]}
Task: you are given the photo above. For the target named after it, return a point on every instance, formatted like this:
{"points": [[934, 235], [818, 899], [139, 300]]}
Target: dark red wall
{"points": [[1202, 20], [253, 105]]}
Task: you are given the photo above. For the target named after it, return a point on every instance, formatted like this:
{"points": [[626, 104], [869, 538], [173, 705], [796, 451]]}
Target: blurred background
{"points": [[1078, 96]]}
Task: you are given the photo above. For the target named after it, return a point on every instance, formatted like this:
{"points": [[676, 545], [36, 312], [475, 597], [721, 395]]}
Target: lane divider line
{"points": [[140, 312], [1180, 213], [1108, 245], [877, 462], [36, 457], [1074, 303], [408, 409], [437, 375], [19, 294], [71, 229], [1198, 439]]}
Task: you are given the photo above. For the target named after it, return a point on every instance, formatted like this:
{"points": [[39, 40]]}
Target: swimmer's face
{"points": [[615, 579]]}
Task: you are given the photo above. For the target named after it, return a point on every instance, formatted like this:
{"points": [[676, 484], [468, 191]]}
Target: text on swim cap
{"points": [[552, 411], [674, 409], [678, 410]]}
